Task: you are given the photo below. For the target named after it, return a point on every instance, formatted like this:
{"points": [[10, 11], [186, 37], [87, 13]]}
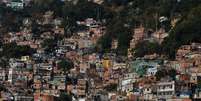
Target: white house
{"points": [[17, 4], [126, 83], [2, 74], [151, 71], [10, 75], [166, 89]]}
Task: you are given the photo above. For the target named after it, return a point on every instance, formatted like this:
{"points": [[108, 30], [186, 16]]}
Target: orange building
{"points": [[43, 97], [107, 63]]}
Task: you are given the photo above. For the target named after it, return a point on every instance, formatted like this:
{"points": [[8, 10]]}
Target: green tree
{"points": [[3, 63], [186, 31], [12, 50], [42, 5], [65, 97], [111, 87], [104, 43], [146, 48], [70, 26], [49, 45], [83, 9], [66, 65], [172, 73], [119, 29], [124, 38], [160, 74]]}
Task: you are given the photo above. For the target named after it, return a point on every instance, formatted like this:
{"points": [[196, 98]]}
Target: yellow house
{"points": [[107, 63], [25, 58]]}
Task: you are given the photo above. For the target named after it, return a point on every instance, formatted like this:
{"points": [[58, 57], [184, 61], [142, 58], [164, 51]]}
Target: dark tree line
{"points": [[12, 50]]}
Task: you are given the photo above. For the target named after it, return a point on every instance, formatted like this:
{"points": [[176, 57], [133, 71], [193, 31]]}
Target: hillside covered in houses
{"points": [[100, 50]]}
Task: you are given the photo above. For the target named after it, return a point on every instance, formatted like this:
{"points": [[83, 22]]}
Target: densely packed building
{"points": [[95, 76]]}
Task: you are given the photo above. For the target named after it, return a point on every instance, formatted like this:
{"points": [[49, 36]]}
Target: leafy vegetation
{"points": [[66, 65], [65, 97], [119, 29], [186, 32], [122, 16], [49, 45], [111, 87], [12, 50], [164, 73], [104, 43], [146, 47]]}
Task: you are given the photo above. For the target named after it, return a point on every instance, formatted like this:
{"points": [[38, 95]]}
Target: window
{"points": [[171, 86]]}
